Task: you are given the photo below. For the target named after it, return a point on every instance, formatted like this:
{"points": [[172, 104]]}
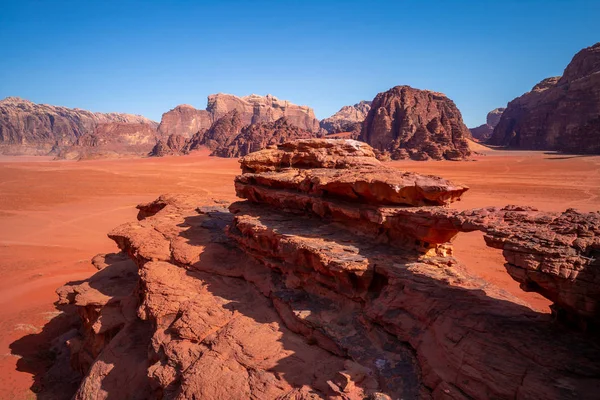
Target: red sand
{"points": [[54, 217]]}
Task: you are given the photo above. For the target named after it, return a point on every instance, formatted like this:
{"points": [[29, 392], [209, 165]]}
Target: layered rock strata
{"points": [[274, 297], [559, 113], [418, 124], [37, 129]]}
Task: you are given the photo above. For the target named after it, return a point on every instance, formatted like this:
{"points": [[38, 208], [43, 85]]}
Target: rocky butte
{"points": [[186, 121], [40, 129], [348, 119], [334, 278], [484, 132], [559, 113], [417, 124], [228, 137]]}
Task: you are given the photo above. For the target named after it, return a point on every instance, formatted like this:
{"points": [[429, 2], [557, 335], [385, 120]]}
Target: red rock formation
{"points": [[279, 299], [220, 134], [313, 153], [174, 145], [184, 120], [261, 135], [416, 123], [348, 119], [110, 140], [29, 128], [254, 109], [484, 132], [561, 113]]}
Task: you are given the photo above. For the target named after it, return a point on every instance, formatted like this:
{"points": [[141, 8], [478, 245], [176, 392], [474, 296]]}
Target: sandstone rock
{"points": [[254, 109], [220, 134], [260, 136], [174, 145], [560, 113], [348, 119], [484, 132], [293, 295], [554, 254], [110, 140], [369, 186], [425, 124], [184, 120], [29, 128], [311, 153]]}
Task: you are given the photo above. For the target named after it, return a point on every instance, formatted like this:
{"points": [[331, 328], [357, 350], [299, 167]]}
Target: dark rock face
{"points": [[348, 119], [29, 128], [560, 113], [484, 132], [415, 123], [185, 120]]}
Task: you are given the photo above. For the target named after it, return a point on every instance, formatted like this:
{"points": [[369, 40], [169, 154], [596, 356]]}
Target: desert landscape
{"points": [[56, 214], [299, 200]]}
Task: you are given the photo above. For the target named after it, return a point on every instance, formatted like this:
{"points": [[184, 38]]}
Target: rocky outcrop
{"points": [[313, 153], [187, 121], [110, 140], [322, 285], [560, 113], [260, 136], [174, 145], [484, 132], [417, 124], [220, 134], [348, 119], [242, 125], [184, 120], [254, 109], [29, 128]]}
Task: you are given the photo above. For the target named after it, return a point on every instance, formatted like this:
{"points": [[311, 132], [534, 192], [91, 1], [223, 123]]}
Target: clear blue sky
{"points": [[145, 57]]}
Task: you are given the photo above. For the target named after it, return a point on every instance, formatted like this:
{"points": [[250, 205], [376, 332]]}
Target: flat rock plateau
{"points": [[316, 271]]}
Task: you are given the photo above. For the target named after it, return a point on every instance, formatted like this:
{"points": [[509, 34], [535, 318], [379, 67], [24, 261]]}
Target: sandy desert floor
{"points": [[54, 217]]}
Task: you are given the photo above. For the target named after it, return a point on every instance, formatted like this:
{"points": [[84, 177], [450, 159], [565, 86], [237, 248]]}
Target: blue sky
{"points": [[145, 57]]}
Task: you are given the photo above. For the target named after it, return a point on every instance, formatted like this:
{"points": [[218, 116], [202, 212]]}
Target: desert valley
{"points": [[250, 250]]}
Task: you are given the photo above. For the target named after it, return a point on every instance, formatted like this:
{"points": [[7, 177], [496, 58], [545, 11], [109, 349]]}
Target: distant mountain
{"points": [[347, 119], [186, 121], [559, 113], [228, 137], [40, 129], [484, 132]]}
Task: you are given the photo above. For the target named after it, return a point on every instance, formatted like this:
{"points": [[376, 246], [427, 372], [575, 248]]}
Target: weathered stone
{"points": [[311, 153], [560, 113], [426, 124], [348, 119]]}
